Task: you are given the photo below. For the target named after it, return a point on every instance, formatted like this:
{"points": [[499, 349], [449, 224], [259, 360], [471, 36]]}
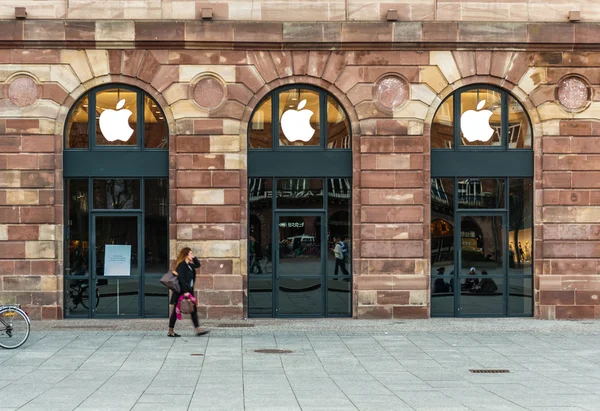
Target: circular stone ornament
{"points": [[208, 92], [23, 91], [573, 93], [391, 91]]}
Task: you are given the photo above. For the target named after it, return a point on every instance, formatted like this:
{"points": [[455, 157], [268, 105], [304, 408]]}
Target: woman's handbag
{"points": [[171, 281], [186, 306]]}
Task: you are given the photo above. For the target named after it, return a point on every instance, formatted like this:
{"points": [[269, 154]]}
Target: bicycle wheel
{"points": [[14, 327], [84, 297]]}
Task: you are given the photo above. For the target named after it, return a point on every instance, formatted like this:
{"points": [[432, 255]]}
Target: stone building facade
{"points": [[390, 78]]}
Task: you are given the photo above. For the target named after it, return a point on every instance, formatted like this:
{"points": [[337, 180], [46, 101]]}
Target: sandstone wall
{"points": [[391, 206]]}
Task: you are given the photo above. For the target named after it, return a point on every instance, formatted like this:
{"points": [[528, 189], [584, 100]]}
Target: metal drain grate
{"points": [[197, 355], [273, 351], [489, 371], [235, 325]]}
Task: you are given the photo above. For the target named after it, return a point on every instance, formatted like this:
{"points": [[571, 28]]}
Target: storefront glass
{"points": [[116, 236], [299, 206], [485, 267]]}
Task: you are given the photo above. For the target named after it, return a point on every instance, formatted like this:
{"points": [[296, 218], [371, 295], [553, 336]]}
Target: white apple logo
{"points": [[475, 125], [296, 124], [114, 125]]}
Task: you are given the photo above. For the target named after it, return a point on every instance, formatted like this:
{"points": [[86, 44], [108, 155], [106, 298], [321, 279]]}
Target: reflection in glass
{"points": [[481, 193], [77, 126], [156, 225], [260, 252], [156, 298], [482, 245], [442, 296], [339, 297], [156, 134], [299, 245], [520, 296], [261, 129], [442, 129], [299, 118], [108, 105], [76, 242], [520, 219], [519, 129], [117, 230], [260, 295], [339, 210], [300, 296], [77, 297], [482, 296], [442, 227], [338, 127], [300, 193], [116, 194], [118, 296], [477, 106]]}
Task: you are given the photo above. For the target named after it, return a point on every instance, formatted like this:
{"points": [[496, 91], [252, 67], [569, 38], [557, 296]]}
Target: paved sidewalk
{"points": [[333, 365]]}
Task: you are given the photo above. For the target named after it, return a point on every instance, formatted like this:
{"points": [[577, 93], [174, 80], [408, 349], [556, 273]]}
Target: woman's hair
{"points": [[183, 254]]}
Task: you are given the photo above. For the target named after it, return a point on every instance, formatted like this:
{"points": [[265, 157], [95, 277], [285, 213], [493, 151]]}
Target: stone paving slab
{"points": [[334, 365]]}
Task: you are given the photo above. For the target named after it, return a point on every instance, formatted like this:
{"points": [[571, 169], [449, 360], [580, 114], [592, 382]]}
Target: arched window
{"points": [[299, 116], [482, 185], [299, 195], [116, 204]]}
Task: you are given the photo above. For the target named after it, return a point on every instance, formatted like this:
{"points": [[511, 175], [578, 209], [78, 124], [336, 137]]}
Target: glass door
{"points": [[482, 270], [300, 264], [116, 268]]}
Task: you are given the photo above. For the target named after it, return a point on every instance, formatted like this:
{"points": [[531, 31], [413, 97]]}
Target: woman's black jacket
{"points": [[186, 274]]}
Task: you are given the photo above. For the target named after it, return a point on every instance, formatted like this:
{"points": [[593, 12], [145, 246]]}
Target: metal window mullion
{"points": [[275, 120], [456, 108], [139, 96], [457, 249], [92, 120], [504, 120], [274, 250], [324, 244], [323, 120], [142, 250]]}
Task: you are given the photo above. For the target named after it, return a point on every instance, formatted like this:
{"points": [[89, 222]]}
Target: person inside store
{"points": [[338, 252], [485, 286], [253, 256], [186, 275], [439, 285], [470, 282]]}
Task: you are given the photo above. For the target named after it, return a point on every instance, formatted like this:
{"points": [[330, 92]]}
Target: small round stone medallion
{"points": [[573, 93], [208, 92], [23, 91], [391, 91]]}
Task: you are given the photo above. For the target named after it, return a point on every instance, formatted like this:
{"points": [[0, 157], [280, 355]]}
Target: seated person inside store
{"points": [[439, 285]]}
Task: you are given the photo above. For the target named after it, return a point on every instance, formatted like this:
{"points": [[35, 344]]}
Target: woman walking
{"points": [[186, 274]]}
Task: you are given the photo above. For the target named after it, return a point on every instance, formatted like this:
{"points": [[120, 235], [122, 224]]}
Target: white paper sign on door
{"points": [[117, 259]]}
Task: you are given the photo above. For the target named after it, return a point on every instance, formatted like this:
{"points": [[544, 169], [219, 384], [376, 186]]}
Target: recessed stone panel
{"points": [[23, 91], [573, 93], [391, 91], [208, 92]]}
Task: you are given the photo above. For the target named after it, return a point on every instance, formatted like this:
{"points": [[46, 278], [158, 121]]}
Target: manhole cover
{"points": [[273, 351], [84, 327], [197, 355], [489, 371], [234, 325]]}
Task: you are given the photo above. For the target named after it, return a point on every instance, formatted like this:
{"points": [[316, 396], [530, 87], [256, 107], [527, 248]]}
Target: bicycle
{"points": [[79, 294], [14, 326]]}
